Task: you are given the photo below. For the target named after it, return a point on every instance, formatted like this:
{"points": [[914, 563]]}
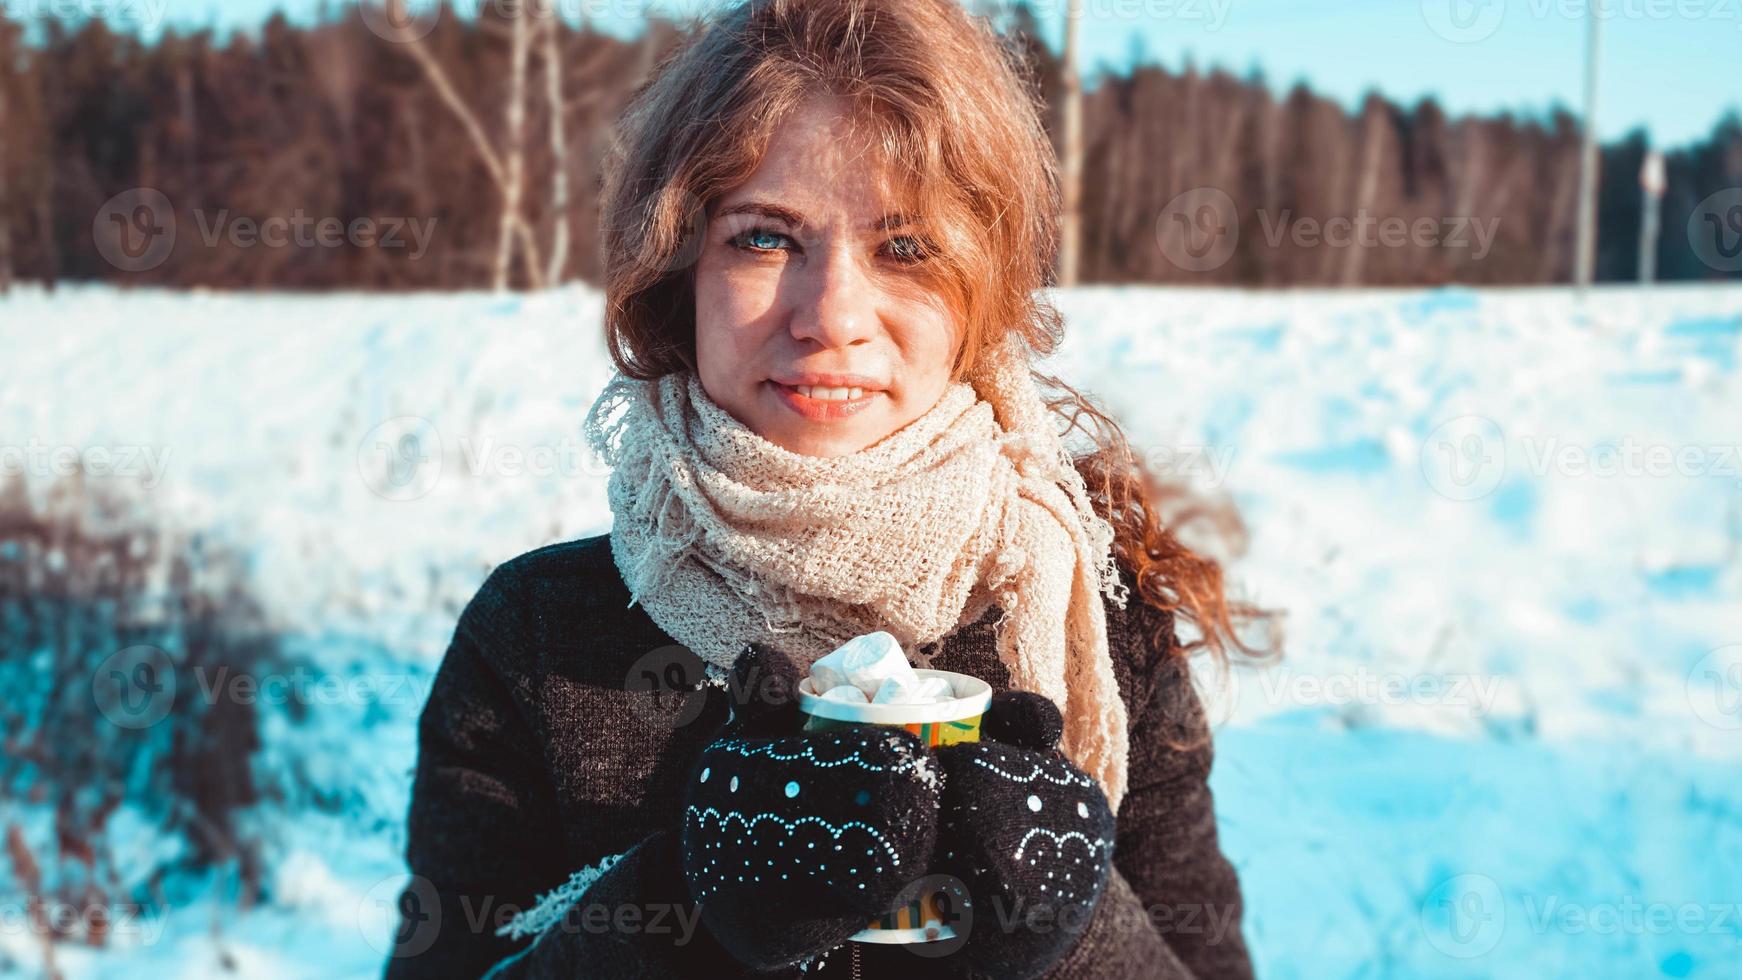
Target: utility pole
{"points": [[1071, 225], [1585, 247], [1651, 186]]}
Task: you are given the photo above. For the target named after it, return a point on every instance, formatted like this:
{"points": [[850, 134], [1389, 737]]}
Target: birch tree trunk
{"points": [[1366, 186], [559, 147], [514, 162], [1585, 250], [1070, 228], [506, 170]]}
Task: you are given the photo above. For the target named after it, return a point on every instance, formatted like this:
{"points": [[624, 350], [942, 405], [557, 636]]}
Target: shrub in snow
{"points": [[127, 759]]}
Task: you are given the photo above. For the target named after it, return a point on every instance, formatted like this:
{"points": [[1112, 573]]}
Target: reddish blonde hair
{"points": [[953, 116]]}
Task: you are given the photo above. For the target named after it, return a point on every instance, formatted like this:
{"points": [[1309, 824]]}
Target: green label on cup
{"points": [[929, 732]]}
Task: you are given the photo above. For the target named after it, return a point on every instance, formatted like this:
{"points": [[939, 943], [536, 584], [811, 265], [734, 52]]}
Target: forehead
{"points": [[822, 159]]}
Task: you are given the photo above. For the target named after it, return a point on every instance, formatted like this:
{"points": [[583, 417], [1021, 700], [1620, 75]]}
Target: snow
{"points": [[1506, 525]]}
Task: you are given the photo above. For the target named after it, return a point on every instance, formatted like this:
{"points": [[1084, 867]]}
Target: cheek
{"points": [[930, 334], [734, 311]]}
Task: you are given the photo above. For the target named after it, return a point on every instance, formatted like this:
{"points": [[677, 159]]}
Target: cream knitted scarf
{"points": [[726, 538]]}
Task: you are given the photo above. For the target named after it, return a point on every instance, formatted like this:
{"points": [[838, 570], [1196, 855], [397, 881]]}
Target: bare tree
{"points": [[1070, 230], [514, 173], [1366, 183], [341, 120], [5, 200], [559, 148], [5, 225], [1585, 253], [1561, 213], [508, 169]]}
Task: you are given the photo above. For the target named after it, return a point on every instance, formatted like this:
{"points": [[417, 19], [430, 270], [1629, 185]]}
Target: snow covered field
{"points": [[1506, 739]]}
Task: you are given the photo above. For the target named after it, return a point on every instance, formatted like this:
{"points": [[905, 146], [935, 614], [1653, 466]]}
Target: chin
{"points": [[820, 444]]}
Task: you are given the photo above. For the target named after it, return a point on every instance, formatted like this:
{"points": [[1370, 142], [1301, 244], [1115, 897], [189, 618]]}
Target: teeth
{"points": [[830, 394]]}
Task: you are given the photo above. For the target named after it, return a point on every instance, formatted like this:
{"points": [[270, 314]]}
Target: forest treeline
{"points": [[338, 155]]}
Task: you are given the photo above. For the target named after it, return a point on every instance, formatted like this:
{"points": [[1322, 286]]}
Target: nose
{"points": [[837, 304]]}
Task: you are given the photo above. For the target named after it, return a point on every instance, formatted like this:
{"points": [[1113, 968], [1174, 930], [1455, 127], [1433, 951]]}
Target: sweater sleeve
{"points": [[1169, 848], [483, 825], [1172, 907], [486, 841], [634, 920]]}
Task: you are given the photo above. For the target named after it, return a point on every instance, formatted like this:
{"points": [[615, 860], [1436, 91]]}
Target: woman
{"points": [[825, 229]]}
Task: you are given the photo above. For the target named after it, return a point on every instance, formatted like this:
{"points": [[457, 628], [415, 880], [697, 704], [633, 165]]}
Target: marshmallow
{"points": [[936, 689], [844, 692], [864, 662], [897, 690]]}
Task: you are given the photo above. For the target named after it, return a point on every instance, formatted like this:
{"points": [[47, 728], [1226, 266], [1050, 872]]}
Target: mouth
{"points": [[824, 404]]}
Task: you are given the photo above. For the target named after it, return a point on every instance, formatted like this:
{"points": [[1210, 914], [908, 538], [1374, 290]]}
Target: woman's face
{"points": [[807, 283]]}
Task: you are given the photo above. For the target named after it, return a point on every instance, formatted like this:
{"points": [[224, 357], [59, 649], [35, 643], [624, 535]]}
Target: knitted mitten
{"points": [[792, 841], [1029, 834]]}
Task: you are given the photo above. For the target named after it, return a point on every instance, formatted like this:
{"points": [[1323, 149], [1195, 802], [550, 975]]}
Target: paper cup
{"points": [[945, 723]]}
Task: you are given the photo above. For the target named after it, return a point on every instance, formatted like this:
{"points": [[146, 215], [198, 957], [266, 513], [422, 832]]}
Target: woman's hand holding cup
{"points": [[1028, 833], [801, 830], [793, 841]]}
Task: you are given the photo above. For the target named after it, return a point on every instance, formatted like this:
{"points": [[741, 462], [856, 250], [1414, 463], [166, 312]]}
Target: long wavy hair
{"points": [[954, 115]]}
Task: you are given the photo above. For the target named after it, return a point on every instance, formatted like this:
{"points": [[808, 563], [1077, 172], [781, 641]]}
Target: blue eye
{"points": [[908, 250], [761, 240]]}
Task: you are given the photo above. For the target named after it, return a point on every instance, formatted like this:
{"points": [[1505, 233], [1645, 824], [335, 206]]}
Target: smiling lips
{"points": [[821, 403]]}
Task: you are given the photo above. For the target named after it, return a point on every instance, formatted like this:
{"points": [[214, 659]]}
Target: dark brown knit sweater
{"points": [[537, 758]]}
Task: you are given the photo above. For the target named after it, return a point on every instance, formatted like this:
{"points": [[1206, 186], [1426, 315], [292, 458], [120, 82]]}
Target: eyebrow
{"points": [[894, 219]]}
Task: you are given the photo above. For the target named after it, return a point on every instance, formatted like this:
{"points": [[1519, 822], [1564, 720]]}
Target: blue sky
{"points": [[1669, 65]]}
